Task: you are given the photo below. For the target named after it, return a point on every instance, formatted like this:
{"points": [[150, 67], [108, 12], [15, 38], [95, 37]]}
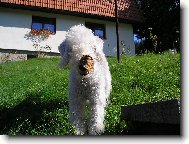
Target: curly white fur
{"points": [[89, 94]]}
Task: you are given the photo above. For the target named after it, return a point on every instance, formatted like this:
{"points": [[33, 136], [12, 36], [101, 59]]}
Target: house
{"points": [[19, 17]]}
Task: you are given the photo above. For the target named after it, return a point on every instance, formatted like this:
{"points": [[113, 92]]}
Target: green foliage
{"points": [[163, 18], [34, 92]]}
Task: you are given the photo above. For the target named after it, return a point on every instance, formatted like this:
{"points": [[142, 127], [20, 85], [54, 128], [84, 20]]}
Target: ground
{"points": [[34, 92]]}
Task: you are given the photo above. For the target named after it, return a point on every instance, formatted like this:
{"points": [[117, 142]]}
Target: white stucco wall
{"points": [[16, 24], [127, 37]]}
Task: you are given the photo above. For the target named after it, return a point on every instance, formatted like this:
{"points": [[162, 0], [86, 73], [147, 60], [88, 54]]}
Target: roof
{"points": [[127, 9]]}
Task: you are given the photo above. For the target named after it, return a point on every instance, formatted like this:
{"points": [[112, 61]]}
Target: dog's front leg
{"points": [[77, 116], [97, 113]]}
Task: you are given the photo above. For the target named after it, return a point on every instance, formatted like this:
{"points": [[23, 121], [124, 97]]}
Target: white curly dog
{"points": [[90, 79]]}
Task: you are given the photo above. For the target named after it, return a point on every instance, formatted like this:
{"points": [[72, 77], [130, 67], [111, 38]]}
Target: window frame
{"points": [[43, 21], [97, 26]]}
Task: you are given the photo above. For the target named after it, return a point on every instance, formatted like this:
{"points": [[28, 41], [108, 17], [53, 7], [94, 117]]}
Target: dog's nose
{"points": [[86, 65], [82, 68]]}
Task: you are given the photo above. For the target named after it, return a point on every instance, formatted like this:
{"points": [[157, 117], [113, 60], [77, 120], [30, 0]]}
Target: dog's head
{"points": [[81, 50]]}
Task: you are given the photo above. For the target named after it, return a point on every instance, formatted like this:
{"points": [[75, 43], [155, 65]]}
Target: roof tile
{"points": [[127, 9]]}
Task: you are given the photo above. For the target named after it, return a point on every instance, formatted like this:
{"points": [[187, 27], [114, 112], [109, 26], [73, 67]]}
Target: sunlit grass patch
{"points": [[34, 92]]}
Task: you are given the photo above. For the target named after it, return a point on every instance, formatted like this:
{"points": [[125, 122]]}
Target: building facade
{"points": [[18, 19]]}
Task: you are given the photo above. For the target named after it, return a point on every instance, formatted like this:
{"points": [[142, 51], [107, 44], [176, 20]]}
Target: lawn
{"points": [[34, 92]]}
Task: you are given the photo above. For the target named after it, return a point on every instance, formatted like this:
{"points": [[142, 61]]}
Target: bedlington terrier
{"points": [[90, 79]]}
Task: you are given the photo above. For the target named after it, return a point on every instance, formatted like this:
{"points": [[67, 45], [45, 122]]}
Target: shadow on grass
{"points": [[31, 109]]}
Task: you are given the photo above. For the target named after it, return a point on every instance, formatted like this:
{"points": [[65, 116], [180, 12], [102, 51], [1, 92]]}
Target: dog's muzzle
{"points": [[86, 65]]}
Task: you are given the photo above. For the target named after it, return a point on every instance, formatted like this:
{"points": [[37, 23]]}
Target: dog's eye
{"points": [[83, 61], [82, 68]]}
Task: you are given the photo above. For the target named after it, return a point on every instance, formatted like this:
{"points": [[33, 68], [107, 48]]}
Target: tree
{"points": [[162, 24]]}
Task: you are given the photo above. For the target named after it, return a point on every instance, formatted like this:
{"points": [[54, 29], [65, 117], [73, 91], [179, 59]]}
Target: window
{"points": [[98, 29], [39, 23]]}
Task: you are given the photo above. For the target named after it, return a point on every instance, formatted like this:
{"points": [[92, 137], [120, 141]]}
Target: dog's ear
{"points": [[63, 49], [99, 48], [99, 43]]}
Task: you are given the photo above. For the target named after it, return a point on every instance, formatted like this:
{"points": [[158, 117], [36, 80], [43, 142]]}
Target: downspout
{"points": [[117, 31]]}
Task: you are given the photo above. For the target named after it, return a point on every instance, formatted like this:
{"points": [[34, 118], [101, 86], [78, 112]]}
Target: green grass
{"points": [[34, 92]]}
